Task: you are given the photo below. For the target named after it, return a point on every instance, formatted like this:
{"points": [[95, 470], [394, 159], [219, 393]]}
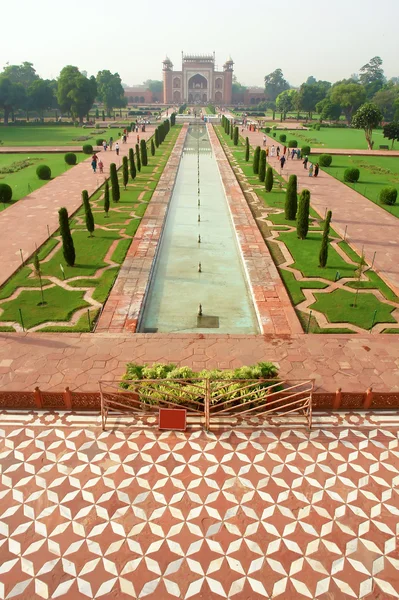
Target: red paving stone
{"points": [[375, 230], [274, 513], [24, 224], [54, 362]]}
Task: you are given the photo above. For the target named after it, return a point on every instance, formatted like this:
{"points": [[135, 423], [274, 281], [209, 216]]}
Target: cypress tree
{"points": [[138, 158], [246, 149], [255, 165], [262, 165], [231, 130], [302, 226], [85, 199], [132, 166], [324, 242], [68, 249], [227, 129], [269, 179], [143, 153], [125, 171], [235, 138], [152, 147], [157, 137], [106, 198], [89, 220], [116, 194], [103, 115], [291, 199]]}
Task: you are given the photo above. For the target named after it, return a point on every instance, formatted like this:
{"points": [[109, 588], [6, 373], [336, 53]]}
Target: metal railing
{"points": [[209, 402]]}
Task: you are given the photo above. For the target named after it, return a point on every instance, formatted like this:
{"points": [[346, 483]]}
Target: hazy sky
{"points": [[329, 40]]}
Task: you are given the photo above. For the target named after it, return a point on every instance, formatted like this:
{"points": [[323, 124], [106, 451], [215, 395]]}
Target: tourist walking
{"points": [[284, 150], [305, 162], [264, 140], [293, 152], [278, 151], [101, 166], [311, 170], [94, 160], [273, 151], [117, 149], [316, 169], [105, 145], [282, 161], [124, 138], [138, 139]]}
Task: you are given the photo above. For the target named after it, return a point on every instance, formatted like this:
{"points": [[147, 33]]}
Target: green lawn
{"points": [[25, 181], [330, 137], [52, 135], [108, 240], [376, 172], [305, 258]]}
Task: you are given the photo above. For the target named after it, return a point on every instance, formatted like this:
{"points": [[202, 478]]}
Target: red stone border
{"points": [[122, 309], [275, 312]]}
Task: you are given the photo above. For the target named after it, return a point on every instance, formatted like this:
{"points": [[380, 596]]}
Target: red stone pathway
{"points": [[24, 224], [275, 513], [79, 360], [367, 224]]}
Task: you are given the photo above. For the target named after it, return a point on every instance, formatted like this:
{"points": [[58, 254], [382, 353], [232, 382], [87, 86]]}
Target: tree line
{"points": [[21, 88]]}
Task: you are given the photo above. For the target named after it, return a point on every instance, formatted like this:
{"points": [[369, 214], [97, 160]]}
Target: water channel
{"points": [[187, 272]]}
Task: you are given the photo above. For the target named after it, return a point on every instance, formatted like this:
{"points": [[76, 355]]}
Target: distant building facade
{"points": [[198, 81], [140, 94]]}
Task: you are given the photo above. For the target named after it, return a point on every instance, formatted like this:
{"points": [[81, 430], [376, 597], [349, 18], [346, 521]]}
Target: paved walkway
{"points": [[366, 224], [41, 149], [352, 362], [26, 224], [276, 513]]}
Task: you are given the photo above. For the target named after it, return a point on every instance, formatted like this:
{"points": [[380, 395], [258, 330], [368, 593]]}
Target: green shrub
{"points": [[283, 138], [351, 175], [5, 192], [292, 144], [325, 160], [43, 172], [316, 126], [274, 134], [87, 148], [305, 150], [99, 141], [267, 129], [388, 195], [70, 158]]}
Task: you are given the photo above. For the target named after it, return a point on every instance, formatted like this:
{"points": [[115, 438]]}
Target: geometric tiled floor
{"points": [[276, 513]]}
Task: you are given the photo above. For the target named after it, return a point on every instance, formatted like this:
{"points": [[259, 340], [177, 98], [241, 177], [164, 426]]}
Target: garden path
{"points": [[365, 224], [28, 223]]}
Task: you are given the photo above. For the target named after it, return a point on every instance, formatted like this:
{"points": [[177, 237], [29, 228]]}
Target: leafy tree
{"points": [[68, 248], [323, 255], [154, 85], [235, 137], [76, 93], [391, 132], [372, 76], [143, 153], [286, 101], [110, 91], [302, 226], [291, 198], [255, 165], [24, 74], [262, 165], [349, 96], [237, 87], [132, 165], [310, 94], [106, 198], [40, 96], [138, 158], [275, 84], [311, 80], [125, 171], [12, 96], [328, 111], [152, 147], [368, 117], [269, 179], [116, 194], [246, 149], [89, 219], [387, 100]]}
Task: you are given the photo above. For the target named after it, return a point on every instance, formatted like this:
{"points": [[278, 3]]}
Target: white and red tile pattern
{"points": [[276, 513]]}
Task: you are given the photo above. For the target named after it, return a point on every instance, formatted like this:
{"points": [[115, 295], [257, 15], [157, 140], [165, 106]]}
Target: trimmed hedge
{"points": [[351, 175], [292, 144], [283, 138], [305, 150], [388, 195], [5, 192], [43, 172], [99, 141], [87, 149], [70, 158], [267, 129], [325, 160]]}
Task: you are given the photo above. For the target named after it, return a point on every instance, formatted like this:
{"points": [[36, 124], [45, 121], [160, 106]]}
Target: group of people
{"points": [[313, 170]]}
